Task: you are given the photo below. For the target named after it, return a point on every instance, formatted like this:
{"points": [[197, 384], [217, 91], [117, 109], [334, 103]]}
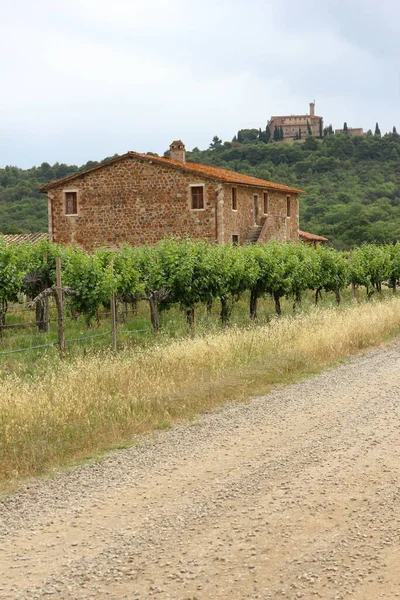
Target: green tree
{"points": [[377, 131], [216, 143], [345, 128]]}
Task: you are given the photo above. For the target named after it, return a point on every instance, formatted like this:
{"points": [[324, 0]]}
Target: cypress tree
{"points": [[309, 128], [299, 133], [276, 133], [377, 131], [394, 129], [267, 134], [281, 132], [345, 128], [320, 129]]}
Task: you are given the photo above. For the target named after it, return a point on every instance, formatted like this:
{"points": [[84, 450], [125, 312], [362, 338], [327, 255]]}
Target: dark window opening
{"points": [[288, 206], [266, 207], [234, 198], [197, 197], [71, 205], [255, 214], [235, 240]]}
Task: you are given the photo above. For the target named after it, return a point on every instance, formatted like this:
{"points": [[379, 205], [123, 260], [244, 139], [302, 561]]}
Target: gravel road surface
{"points": [[294, 495]]}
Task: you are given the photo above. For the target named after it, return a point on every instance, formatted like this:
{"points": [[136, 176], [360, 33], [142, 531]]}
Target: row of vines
{"points": [[188, 273]]}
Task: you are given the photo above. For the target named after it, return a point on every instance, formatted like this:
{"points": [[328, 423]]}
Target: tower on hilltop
{"points": [[295, 126]]}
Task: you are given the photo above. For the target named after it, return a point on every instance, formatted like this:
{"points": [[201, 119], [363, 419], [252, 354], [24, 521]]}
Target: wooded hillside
{"points": [[352, 183]]}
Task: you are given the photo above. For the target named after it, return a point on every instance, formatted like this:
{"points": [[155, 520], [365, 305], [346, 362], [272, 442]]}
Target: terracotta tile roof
{"points": [[311, 237], [20, 238], [199, 169], [295, 117]]}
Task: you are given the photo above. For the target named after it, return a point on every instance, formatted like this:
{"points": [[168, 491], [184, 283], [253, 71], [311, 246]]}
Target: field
{"points": [[134, 328], [226, 322], [54, 411]]}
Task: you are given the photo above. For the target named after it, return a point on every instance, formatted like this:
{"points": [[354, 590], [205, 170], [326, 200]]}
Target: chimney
{"points": [[177, 151], [312, 108]]}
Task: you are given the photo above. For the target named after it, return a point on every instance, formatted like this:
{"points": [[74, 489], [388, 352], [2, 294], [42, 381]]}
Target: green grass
{"points": [[66, 410], [136, 332]]}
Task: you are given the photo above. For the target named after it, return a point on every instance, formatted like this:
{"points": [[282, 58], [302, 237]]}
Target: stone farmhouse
{"points": [[140, 198], [292, 124]]}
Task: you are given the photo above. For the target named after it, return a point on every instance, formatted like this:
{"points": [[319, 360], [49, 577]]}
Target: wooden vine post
{"points": [[60, 308], [114, 316], [57, 292], [353, 287], [114, 322]]}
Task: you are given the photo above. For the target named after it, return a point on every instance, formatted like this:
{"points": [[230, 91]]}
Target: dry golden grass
{"points": [[87, 405]]}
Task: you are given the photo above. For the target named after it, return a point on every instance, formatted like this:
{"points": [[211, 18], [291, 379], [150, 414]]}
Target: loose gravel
{"points": [[294, 495]]}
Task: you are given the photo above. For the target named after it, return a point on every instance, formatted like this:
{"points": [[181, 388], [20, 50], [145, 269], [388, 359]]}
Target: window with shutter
{"points": [[197, 197], [71, 204]]}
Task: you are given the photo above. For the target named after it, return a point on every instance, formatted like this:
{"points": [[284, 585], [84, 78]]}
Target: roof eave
{"points": [[160, 161]]}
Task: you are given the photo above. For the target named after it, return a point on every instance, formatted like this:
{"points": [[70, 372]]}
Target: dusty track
{"points": [[296, 495]]}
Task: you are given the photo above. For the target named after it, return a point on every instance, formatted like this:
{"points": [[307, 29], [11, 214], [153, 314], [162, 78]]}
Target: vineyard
{"points": [[174, 275], [137, 300]]}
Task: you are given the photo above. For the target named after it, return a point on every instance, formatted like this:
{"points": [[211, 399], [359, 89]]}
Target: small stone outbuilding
{"points": [[312, 238], [140, 198]]}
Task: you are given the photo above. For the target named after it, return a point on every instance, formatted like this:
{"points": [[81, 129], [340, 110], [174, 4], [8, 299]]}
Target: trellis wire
{"points": [[86, 337]]}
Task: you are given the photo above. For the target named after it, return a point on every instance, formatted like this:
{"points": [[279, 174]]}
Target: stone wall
{"points": [[279, 227], [132, 201]]}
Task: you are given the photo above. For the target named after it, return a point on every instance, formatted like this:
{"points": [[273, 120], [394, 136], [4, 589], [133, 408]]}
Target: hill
{"points": [[22, 208], [352, 183]]}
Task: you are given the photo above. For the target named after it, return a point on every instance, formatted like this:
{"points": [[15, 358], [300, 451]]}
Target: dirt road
{"points": [[295, 495]]}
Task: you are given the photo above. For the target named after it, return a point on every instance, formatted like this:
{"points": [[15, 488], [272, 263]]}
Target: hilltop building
{"points": [[352, 131], [141, 199], [294, 126]]}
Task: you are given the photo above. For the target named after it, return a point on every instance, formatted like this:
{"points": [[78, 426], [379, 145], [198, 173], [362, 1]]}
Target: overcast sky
{"points": [[84, 79]]}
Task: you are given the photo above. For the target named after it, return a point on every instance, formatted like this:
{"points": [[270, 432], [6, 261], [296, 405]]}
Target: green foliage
{"points": [[352, 182], [245, 136], [370, 265], [12, 263], [188, 272], [331, 270], [41, 266], [216, 143], [90, 278]]}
